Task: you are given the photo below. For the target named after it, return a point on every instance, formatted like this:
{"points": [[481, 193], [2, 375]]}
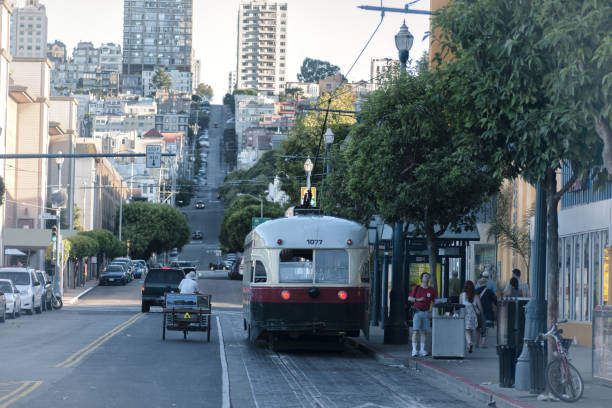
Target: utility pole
{"points": [[194, 128]]}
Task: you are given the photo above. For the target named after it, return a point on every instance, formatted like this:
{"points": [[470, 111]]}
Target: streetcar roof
{"points": [[295, 231]]}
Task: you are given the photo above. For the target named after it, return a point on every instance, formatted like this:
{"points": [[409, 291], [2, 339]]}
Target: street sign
{"points": [[47, 216], [313, 202], [255, 221], [154, 153]]}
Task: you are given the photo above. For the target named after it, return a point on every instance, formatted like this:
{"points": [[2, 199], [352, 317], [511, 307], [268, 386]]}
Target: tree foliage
{"points": [[406, 164], [237, 221], [305, 140], [82, 246], [205, 91], [153, 228], [161, 79], [252, 181], [313, 70]]}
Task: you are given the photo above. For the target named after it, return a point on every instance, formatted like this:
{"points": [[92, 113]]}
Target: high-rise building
{"points": [[155, 33], [231, 82], [262, 46], [28, 29]]}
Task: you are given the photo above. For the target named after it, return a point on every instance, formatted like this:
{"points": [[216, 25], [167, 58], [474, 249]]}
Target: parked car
{"points": [[47, 286], [200, 204], [237, 270], [30, 289], [173, 254], [158, 282], [113, 274], [140, 268], [13, 300], [124, 267], [128, 264], [197, 235]]}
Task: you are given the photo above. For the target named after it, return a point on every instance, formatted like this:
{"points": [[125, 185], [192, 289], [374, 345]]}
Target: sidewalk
{"points": [[478, 374], [71, 296]]}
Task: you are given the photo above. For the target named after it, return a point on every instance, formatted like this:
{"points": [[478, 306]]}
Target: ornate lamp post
{"points": [[329, 140], [308, 169], [403, 42]]}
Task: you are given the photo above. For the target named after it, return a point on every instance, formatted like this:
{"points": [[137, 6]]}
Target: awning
{"points": [[13, 251]]}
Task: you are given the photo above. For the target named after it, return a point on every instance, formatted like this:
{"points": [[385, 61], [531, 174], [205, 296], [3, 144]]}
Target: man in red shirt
{"points": [[422, 296]]}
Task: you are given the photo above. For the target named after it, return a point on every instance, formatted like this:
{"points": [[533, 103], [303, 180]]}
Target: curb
{"points": [[457, 383], [76, 298]]}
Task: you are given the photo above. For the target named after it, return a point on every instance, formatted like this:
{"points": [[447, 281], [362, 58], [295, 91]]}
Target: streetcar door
{"points": [[365, 278]]}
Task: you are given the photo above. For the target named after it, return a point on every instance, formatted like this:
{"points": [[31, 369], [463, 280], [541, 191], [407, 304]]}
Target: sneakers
{"points": [[470, 349], [415, 353], [423, 353]]}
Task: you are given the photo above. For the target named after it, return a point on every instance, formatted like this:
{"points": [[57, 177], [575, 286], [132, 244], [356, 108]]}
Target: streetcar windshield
{"points": [[330, 265]]}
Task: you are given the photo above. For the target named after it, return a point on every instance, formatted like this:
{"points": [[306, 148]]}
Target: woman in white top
{"points": [[473, 308]]}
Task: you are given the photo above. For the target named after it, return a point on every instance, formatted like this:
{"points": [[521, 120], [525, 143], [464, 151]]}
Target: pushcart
{"points": [[186, 312]]}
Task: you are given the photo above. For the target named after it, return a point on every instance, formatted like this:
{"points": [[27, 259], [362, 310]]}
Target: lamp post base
{"points": [[396, 333]]}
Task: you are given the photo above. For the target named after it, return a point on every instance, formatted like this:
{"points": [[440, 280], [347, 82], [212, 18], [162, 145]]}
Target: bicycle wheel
{"points": [[566, 386], [57, 303]]}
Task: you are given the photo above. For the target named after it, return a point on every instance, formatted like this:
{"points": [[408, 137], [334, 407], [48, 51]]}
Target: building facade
{"points": [[29, 30], [231, 82], [262, 46], [56, 51], [381, 69], [156, 33]]}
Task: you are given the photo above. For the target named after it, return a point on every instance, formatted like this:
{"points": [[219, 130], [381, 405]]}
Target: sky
{"points": [[329, 30]]}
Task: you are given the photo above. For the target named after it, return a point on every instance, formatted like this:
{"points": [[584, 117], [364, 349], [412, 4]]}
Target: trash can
{"points": [[507, 365], [511, 323], [537, 365], [448, 330]]}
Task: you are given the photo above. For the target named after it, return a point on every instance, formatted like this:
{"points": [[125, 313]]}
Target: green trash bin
{"points": [[537, 364], [507, 365]]}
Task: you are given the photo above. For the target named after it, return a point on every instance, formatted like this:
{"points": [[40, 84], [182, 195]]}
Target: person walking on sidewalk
{"points": [[423, 296], [514, 290], [522, 286], [487, 299], [489, 282], [473, 308]]}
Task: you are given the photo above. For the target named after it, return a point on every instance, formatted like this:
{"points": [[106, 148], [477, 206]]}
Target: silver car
{"points": [[30, 289], [13, 300]]}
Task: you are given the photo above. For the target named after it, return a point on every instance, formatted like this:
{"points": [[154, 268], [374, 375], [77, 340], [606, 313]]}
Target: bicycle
{"points": [[562, 378], [56, 300]]}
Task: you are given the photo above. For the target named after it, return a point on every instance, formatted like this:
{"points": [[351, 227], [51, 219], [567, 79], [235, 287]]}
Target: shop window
{"points": [[586, 250], [596, 269]]}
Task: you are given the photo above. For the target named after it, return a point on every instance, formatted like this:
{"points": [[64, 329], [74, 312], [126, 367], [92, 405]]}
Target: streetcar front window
{"points": [[331, 266], [295, 265]]}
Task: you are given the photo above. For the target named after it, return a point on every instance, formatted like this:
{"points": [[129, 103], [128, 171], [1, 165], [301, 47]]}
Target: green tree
{"points": [[405, 161], [82, 246], [501, 68], [153, 228], [244, 92], [294, 93], [205, 91], [313, 69], [108, 245], [161, 79], [578, 36], [2, 190], [237, 221], [305, 140], [252, 181]]}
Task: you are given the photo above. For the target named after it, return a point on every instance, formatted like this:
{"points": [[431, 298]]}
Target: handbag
{"points": [[479, 317]]}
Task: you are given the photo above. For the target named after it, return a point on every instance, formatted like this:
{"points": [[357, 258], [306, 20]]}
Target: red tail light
{"points": [[349, 242], [342, 295], [142, 289], [285, 295], [279, 241]]}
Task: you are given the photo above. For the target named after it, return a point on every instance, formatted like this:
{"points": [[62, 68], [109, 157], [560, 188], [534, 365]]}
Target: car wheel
{"points": [[30, 311], [3, 317], [49, 307], [43, 305], [145, 307], [14, 314]]}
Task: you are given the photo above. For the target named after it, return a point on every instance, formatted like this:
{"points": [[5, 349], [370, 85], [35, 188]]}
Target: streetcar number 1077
{"points": [[314, 241]]}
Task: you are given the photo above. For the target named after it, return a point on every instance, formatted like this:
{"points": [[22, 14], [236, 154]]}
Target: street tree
{"points": [[161, 79], [237, 220], [312, 70], [406, 165], [579, 38], [153, 228], [500, 74], [305, 140], [251, 181], [205, 91]]}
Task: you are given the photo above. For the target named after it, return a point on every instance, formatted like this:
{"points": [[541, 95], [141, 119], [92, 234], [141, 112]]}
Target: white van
{"points": [[30, 289]]}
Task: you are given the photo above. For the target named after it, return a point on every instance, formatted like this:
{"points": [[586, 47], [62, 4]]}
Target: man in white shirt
{"points": [[189, 284]]}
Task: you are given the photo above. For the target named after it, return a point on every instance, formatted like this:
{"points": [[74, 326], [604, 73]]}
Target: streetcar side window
{"points": [[331, 266], [260, 272], [295, 265]]}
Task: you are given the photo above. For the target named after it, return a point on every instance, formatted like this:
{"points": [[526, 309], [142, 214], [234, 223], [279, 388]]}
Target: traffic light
{"points": [[129, 243], [54, 234]]}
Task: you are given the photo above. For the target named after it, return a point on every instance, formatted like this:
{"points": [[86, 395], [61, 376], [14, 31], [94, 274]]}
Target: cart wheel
{"points": [[208, 330], [184, 334], [164, 328]]}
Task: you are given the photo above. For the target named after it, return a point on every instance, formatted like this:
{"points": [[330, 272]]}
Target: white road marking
{"points": [[225, 374]]}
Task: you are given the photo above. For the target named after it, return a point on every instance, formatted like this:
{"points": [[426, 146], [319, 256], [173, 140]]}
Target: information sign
{"points": [[154, 153]]}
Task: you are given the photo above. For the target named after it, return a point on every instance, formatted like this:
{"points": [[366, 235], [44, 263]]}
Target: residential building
{"points": [[197, 74], [231, 82], [309, 90], [250, 110], [28, 36], [181, 82], [5, 11], [172, 112], [56, 52], [381, 69], [330, 84], [262, 46], [156, 33]]}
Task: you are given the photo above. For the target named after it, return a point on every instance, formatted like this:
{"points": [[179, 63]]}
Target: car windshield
{"points": [[113, 268], [6, 287], [18, 278]]}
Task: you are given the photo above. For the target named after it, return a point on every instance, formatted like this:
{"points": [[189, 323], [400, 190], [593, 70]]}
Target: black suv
{"points": [[158, 282]]}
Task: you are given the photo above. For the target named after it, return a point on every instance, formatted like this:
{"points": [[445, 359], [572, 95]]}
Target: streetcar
{"points": [[306, 275]]}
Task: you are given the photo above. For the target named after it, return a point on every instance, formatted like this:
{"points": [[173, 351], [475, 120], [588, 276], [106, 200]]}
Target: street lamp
{"points": [[308, 169], [58, 282], [329, 140], [403, 42]]}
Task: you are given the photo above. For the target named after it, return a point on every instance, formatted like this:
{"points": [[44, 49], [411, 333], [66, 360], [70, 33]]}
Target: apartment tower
{"points": [[156, 33], [28, 29], [262, 46]]}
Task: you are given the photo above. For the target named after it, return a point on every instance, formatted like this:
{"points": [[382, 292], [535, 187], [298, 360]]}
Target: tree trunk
{"points": [[605, 133], [552, 253]]}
